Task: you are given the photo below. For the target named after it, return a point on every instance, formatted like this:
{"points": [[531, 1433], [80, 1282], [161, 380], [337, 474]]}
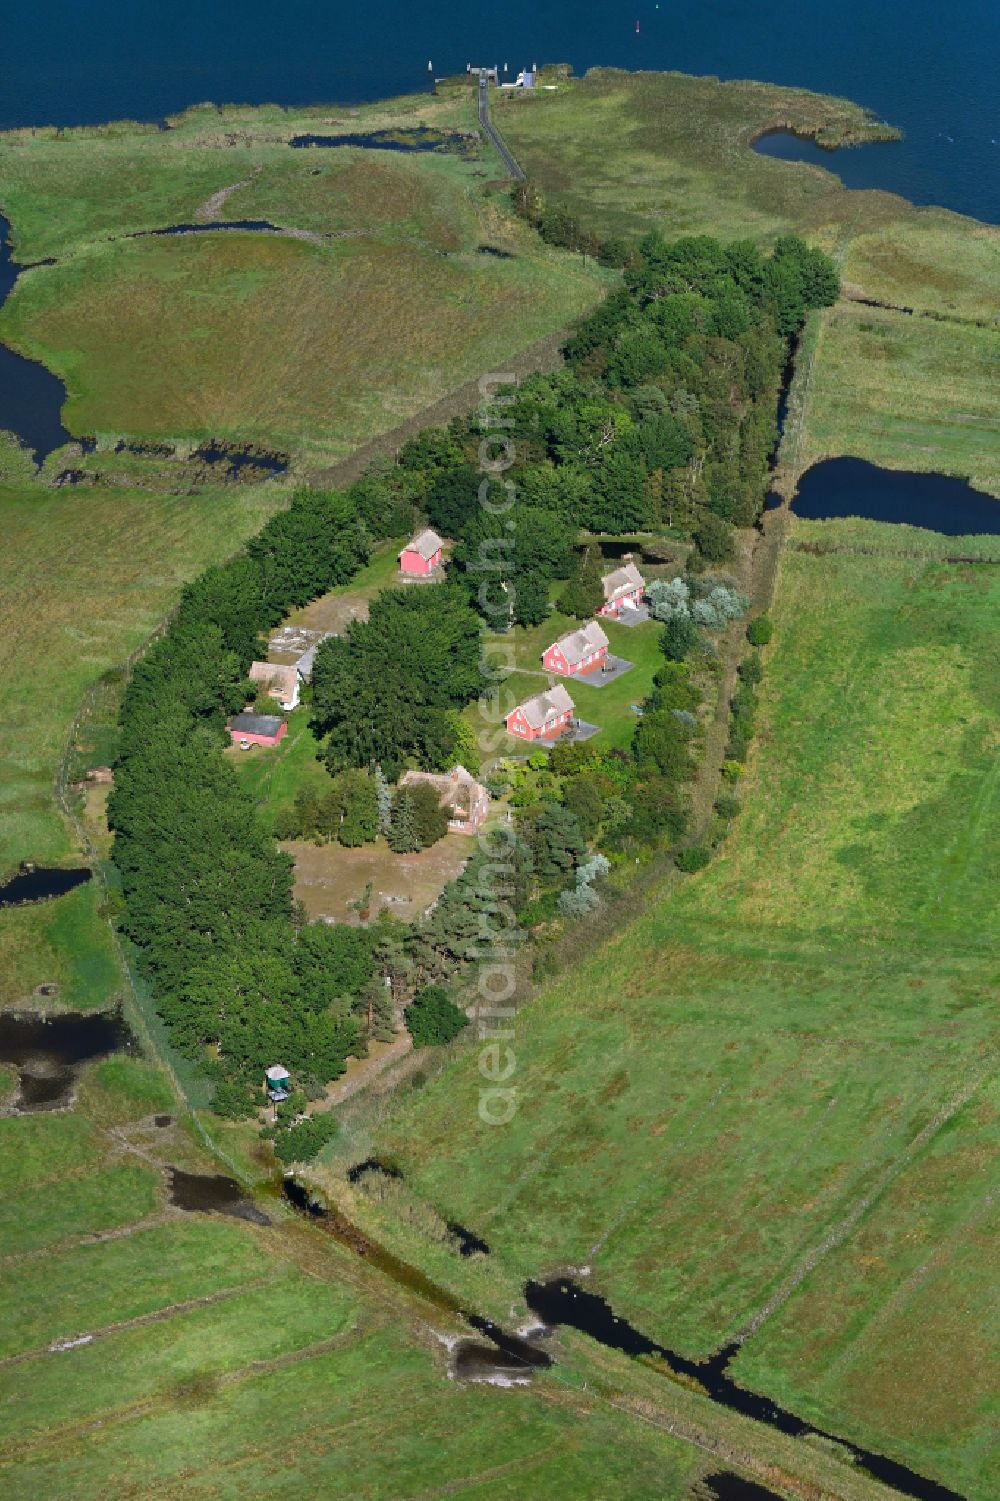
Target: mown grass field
{"points": [[148, 1349], [88, 577], [903, 392], [790, 1057]]}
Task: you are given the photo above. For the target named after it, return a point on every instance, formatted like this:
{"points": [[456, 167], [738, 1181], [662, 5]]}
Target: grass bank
{"points": [[780, 1070]]}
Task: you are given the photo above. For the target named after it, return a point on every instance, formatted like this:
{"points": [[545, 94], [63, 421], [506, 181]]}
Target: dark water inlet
{"points": [[48, 1051], [372, 1165], [563, 1302], [520, 1351], [421, 138], [261, 226], [31, 397], [725, 1485], [40, 885], [468, 1242], [936, 502], [238, 457], [866, 164], [640, 551], [213, 1193], [474, 1360]]}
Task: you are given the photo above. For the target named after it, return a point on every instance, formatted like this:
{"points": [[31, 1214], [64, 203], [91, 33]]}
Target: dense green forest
{"points": [[664, 416]]}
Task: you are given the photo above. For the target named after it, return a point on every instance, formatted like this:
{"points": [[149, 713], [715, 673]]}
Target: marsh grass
{"points": [[309, 348], [905, 392], [63, 942]]}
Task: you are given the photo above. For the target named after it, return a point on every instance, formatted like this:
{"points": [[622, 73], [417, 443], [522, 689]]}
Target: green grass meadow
{"points": [[904, 392], [147, 1351], [794, 1046], [64, 943]]}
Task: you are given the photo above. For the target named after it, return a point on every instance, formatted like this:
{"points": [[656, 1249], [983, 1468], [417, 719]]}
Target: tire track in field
{"points": [[157, 1316], [171, 1395], [935, 1263], [841, 1231]]}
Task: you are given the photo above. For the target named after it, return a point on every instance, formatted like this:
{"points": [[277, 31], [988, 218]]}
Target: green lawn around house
{"points": [[607, 707]]}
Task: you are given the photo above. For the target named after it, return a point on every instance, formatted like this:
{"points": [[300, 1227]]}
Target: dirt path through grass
{"points": [[212, 207], [543, 355]]}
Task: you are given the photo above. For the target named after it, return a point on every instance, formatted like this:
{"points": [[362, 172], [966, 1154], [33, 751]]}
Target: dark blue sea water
{"points": [[929, 67]]}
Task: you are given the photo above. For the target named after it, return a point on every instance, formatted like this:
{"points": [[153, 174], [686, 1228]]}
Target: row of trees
{"points": [[664, 415], [358, 806], [208, 894]]}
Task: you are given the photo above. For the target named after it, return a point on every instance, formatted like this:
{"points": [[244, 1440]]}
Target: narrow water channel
{"points": [[560, 1302], [31, 397], [420, 138]]}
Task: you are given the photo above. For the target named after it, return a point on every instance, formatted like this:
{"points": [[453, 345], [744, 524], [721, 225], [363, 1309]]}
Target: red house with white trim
{"points": [[543, 717], [623, 590], [578, 651], [422, 554], [256, 729]]}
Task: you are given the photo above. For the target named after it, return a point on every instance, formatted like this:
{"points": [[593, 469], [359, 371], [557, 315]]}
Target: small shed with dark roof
{"points": [[256, 729]]}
